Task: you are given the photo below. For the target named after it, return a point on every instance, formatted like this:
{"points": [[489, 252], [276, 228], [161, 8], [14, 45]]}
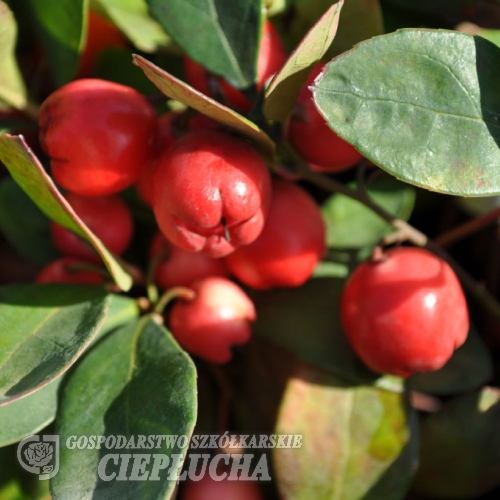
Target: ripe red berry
{"points": [[214, 321], [108, 218], [98, 135], [272, 55], [212, 192], [290, 245], [181, 268], [404, 313], [313, 139], [210, 489], [68, 270], [167, 132], [101, 34]]}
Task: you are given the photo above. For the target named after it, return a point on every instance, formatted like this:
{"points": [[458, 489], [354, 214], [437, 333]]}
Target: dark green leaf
{"points": [[230, 34], [358, 442], [12, 89], [350, 224], [23, 225], [137, 381], [431, 119], [470, 367], [59, 26], [306, 321], [28, 415], [459, 451], [285, 86], [132, 17], [30, 175], [180, 91], [360, 20], [45, 328], [122, 310]]}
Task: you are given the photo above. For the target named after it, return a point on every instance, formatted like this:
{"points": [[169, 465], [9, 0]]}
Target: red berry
{"points": [[108, 218], [101, 34], [291, 244], [212, 192], [98, 135], [214, 321], [68, 270], [405, 313], [272, 55], [210, 489], [181, 268], [314, 140]]}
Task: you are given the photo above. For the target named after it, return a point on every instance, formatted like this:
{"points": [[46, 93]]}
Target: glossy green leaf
{"points": [[59, 25], [230, 29], [470, 367], [27, 171], [285, 86], [23, 225], [306, 321], [359, 20], [459, 449], [28, 415], [358, 442], [431, 119], [45, 328], [133, 18], [12, 89], [350, 224], [122, 310], [136, 381], [176, 89]]}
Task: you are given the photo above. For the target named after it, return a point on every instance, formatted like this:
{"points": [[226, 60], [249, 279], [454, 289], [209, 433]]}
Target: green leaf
{"points": [[459, 449], [12, 89], [231, 33], [285, 86], [357, 442], [306, 321], [59, 25], [350, 224], [132, 17], [178, 90], [45, 328], [137, 381], [28, 415], [23, 225], [122, 310], [431, 119], [30, 175], [470, 367], [360, 20]]}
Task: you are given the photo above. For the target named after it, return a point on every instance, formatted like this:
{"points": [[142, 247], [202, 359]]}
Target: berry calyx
{"points": [[69, 270], [98, 135], [405, 312], [215, 320], [290, 245], [212, 192], [313, 139], [108, 218], [180, 268]]}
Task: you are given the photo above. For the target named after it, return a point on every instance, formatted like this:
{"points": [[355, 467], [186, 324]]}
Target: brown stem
{"points": [[467, 228], [409, 233]]}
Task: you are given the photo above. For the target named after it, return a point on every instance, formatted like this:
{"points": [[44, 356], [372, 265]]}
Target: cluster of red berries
{"points": [[221, 214]]}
